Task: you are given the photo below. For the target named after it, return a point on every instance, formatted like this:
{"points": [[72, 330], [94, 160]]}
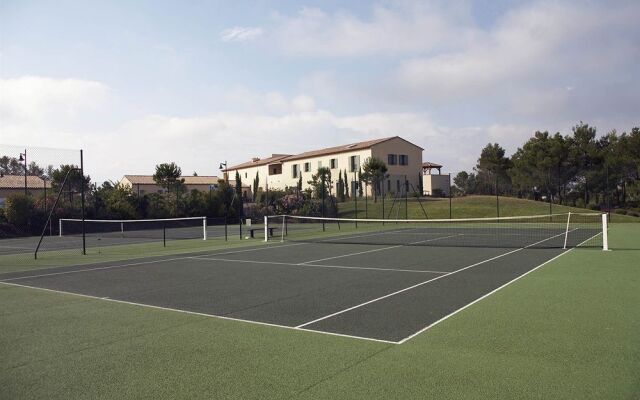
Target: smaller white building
{"points": [[432, 184]]}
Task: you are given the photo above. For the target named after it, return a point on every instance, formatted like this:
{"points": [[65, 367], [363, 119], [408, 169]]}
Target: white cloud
{"points": [[32, 98], [240, 34], [535, 48], [397, 29]]}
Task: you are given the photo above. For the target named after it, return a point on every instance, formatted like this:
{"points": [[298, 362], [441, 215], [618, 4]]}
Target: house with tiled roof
{"points": [[144, 184], [403, 159], [9, 184]]}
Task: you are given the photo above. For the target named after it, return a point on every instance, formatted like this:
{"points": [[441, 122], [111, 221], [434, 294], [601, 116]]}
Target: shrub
{"points": [[18, 211], [621, 211]]}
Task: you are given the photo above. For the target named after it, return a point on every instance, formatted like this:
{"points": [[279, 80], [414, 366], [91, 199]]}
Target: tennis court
{"points": [[368, 290]]}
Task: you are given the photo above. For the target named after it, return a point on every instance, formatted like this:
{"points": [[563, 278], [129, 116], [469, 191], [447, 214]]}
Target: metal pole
{"points": [[382, 191], [366, 200], [323, 227], [450, 195], [25, 172], [55, 203], [354, 190], [606, 191], [84, 239], [497, 198], [406, 198]]}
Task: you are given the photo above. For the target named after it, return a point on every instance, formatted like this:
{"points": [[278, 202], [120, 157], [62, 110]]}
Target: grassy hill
{"points": [[461, 207]]}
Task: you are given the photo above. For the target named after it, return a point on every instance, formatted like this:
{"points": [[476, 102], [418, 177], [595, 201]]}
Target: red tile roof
{"points": [[279, 158], [17, 182]]}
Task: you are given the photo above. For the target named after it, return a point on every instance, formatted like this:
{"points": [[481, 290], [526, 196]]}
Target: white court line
{"points": [[16, 247], [380, 249], [316, 265], [423, 283], [133, 264], [492, 292], [199, 314], [91, 269]]}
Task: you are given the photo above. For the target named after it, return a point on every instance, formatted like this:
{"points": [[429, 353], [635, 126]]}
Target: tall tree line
{"points": [[578, 169]]}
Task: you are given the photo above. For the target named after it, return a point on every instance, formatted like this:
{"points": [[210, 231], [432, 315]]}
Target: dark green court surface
{"points": [[385, 293]]}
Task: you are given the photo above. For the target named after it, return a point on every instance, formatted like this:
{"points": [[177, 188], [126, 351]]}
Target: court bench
{"points": [[252, 230]]}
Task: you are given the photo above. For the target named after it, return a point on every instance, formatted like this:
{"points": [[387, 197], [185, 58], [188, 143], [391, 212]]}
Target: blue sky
{"points": [[139, 83]]}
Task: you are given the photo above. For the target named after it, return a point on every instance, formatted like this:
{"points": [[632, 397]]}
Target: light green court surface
{"points": [[567, 330]]}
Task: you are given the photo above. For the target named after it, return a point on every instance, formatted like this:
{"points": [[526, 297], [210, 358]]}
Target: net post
{"points": [[566, 232], [122, 228], [60, 227], [284, 217], [204, 228], [605, 233], [266, 229], [84, 236]]}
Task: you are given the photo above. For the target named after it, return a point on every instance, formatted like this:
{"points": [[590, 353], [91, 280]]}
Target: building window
{"points": [[245, 174], [388, 185], [333, 163], [307, 167], [319, 164], [392, 159], [294, 170], [354, 163], [398, 185], [404, 159]]}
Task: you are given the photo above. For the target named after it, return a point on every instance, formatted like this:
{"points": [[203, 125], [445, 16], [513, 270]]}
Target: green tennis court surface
{"points": [[152, 327]]}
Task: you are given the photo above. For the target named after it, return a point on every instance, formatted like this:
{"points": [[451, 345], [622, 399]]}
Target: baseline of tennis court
{"points": [[387, 293]]}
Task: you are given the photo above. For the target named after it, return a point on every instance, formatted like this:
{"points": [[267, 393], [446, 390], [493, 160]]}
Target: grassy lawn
{"points": [[461, 207], [567, 330]]}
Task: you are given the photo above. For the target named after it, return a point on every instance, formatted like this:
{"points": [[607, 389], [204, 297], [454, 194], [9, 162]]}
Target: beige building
{"points": [[144, 184], [433, 183], [403, 159], [10, 184]]}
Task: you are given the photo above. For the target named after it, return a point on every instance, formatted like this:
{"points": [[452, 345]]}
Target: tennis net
{"points": [[153, 229], [538, 231]]}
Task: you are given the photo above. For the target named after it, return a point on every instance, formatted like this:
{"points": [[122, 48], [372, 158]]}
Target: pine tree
{"points": [[346, 184]]}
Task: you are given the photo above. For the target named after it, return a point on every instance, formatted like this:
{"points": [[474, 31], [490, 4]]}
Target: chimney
{"points": [[255, 159]]}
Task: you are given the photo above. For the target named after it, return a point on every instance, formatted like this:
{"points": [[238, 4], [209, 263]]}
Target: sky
{"points": [[135, 84]]}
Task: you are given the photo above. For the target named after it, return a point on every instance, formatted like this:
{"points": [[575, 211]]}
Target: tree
{"points": [[360, 188], [322, 175], [541, 166], [583, 155], [300, 183], [340, 187], [346, 184], [238, 187], [18, 210], [493, 167], [374, 171], [465, 182], [167, 175], [256, 183]]}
